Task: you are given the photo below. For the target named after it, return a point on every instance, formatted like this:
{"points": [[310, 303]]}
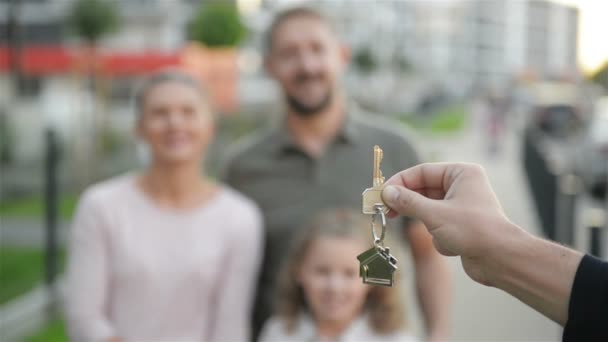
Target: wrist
{"points": [[504, 254], [538, 272]]}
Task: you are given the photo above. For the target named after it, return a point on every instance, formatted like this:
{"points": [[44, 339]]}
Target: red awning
{"points": [[38, 60], [56, 59], [122, 64]]}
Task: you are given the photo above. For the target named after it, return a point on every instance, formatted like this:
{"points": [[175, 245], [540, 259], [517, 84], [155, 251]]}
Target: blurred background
{"points": [[517, 86]]}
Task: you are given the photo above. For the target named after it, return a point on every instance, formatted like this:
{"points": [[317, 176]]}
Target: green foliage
{"points": [[601, 76], [92, 19], [21, 269], [402, 64], [364, 60], [111, 141], [217, 24], [53, 332], [33, 207], [450, 119]]}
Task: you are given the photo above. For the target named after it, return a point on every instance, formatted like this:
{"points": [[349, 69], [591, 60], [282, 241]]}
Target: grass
{"points": [[33, 207], [447, 120], [21, 269], [53, 332]]}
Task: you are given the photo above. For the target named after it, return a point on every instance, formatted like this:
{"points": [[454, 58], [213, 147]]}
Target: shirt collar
{"points": [[358, 328], [349, 133]]}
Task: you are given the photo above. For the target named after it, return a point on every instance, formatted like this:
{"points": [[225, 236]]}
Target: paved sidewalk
{"points": [[28, 232], [482, 313]]}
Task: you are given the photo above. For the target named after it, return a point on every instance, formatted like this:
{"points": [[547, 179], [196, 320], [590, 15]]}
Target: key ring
{"points": [[378, 241]]}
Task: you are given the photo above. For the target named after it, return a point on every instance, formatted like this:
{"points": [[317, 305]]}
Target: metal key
{"points": [[372, 197], [377, 265]]}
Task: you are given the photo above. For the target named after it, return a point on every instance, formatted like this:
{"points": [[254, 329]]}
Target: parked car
{"points": [[556, 109], [592, 163], [551, 142]]}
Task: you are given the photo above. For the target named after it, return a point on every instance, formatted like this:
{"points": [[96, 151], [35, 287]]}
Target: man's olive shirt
{"points": [[291, 187]]}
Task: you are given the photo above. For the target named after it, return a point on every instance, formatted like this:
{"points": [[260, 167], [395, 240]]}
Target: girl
{"points": [[165, 254], [321, 296]]}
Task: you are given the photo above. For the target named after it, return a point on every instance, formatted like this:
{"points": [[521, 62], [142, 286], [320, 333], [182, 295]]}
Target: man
{"points": [[461, 211], [321, 157]]}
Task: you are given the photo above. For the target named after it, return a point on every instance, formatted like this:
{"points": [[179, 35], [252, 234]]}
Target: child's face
{"points": [[329, 275]]}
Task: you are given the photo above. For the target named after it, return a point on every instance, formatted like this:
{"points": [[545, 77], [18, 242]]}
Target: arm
{"points": [[537, 272], [462, 213], [433, 282], [87, 276], [588, 299], [235, 291]]}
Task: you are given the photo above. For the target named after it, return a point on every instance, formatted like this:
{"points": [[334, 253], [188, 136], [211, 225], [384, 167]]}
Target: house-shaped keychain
{"points": [[377, 266]]}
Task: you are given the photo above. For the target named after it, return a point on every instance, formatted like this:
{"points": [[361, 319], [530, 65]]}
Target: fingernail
{"points": [[390, 194]]}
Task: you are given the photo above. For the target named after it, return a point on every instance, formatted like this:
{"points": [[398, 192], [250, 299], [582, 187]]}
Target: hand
{"points": [[458, 207]]}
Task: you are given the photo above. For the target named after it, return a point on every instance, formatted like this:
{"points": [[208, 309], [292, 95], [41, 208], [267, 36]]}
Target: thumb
{"points": [[407, 202]]}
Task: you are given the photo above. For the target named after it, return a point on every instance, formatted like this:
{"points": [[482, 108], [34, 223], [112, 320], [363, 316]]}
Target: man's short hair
{"points": [[291, 13]]}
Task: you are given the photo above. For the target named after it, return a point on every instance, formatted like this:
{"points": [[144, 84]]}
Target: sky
{"points": [[593, 32]]}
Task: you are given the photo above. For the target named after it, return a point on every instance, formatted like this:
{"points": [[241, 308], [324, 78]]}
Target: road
{"points": [[482, 313]]}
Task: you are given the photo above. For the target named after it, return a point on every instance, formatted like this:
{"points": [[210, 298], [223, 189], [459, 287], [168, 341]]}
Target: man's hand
{"points": [[460, 210], [457, 205]]}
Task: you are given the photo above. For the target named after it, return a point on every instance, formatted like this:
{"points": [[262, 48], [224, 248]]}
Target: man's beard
{"points": [[308, 110]]}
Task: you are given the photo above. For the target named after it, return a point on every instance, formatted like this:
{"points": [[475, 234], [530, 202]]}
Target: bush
{"points": [[91, 19], [217, 24], [364, 60]]}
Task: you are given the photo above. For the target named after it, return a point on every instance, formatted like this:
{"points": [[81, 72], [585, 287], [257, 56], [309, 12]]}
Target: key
{"points": [[377, 266], [372, 197]]}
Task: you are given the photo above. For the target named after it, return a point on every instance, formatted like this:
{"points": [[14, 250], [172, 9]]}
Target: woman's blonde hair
{"points": [[384, 305], [171, 75]]}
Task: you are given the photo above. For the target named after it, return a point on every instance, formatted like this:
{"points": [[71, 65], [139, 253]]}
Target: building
{"points": [[460, 43], [55, 85]]}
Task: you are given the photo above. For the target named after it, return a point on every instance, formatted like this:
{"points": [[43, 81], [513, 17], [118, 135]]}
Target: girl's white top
{"points": [[274, 330]]}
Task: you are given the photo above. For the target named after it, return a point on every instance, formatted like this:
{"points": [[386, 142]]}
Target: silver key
{"points": [[372, 197]]}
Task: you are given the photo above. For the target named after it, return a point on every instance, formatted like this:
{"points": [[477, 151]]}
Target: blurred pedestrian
{"points": [[166, 253], [497, 107], [321, 157], [322, 298]]}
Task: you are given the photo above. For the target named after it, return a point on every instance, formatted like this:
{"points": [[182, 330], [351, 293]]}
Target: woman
{"points": [[166, 254], [321, 295]]}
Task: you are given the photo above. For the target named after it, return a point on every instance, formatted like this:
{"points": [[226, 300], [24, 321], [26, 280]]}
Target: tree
{"points": [[217, 24], [601, 76], [92, 19], [365, 60]]}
